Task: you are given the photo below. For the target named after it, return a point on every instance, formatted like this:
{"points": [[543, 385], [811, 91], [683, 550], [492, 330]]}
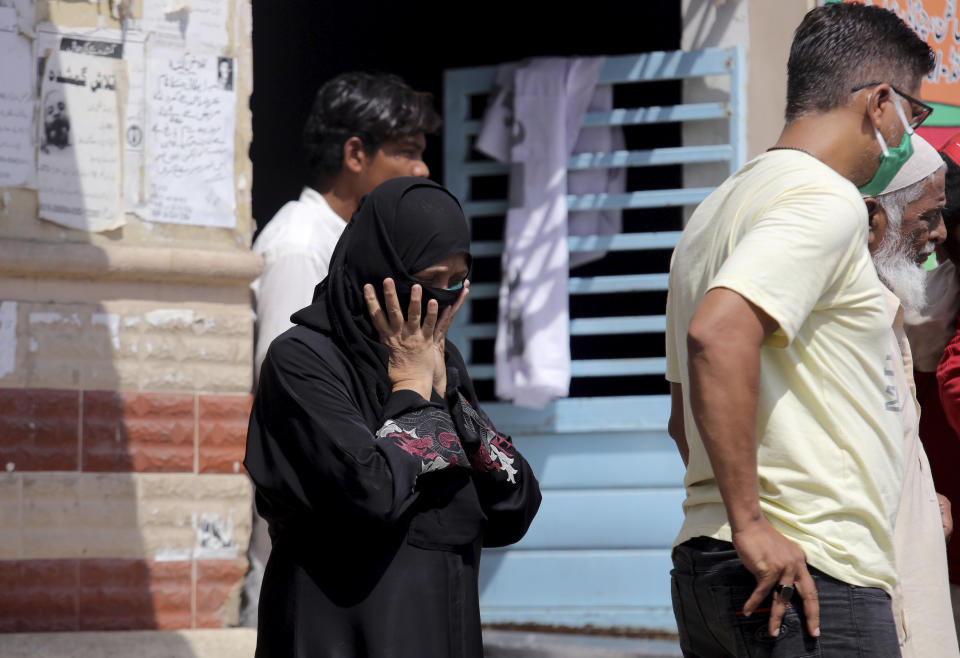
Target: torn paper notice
{"points": [[17, 155], [80, 164], [189, 141], [214, 536], [130, 47], [134, 126], [8, 18], [8, 337], [23, 15], [198, 25], [121, 9]]}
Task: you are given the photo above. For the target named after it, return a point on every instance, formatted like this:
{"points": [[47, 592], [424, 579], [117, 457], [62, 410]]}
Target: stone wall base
{"points": [[117, 594]]}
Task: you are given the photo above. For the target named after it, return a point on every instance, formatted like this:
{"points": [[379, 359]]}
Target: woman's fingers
{"points": [[390, 320], [373, 307], [446, 318], [430, 319], [394, 315], [413, 310]]}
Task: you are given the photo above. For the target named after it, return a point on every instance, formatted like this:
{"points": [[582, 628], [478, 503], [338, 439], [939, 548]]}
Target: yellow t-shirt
{"points": [[790, 234]]}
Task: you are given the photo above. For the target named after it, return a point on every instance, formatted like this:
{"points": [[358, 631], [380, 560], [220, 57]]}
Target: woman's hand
{"points": [[412, 345], [439, 341]]}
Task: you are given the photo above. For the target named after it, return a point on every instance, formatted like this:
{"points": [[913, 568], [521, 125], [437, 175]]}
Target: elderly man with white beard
{"points": [[905, 227]]}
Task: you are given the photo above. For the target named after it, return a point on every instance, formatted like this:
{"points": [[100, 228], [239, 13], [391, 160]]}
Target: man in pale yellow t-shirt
{"points": [[777, 336]]}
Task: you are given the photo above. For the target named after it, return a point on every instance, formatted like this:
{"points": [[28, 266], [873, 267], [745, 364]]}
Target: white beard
{"points": [[900, 272]]}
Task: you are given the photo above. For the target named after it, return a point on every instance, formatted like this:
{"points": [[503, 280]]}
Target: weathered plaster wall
{"points": [[765, 30], [125, 378], [128, 345]]}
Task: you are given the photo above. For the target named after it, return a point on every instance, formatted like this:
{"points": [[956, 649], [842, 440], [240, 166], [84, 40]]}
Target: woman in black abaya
{"points": [[379, 475]]}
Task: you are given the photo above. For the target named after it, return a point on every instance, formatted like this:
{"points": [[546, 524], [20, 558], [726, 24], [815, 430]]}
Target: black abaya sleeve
{"points": [[509, 492], [506, 486], [310, 448]]}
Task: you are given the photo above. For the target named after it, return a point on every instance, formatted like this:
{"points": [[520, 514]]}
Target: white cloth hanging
{"points": [[596, 139], [533, 122]]}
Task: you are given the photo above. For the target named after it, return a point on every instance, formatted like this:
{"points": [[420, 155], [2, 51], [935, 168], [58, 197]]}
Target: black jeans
{"points": [[709, 586]]}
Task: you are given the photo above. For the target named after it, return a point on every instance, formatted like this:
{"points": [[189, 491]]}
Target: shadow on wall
{"points": [[111, 519], [705, 22]]}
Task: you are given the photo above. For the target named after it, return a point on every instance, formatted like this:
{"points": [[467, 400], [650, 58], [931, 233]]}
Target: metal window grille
{"points": [[464, 169], [599, 551]]}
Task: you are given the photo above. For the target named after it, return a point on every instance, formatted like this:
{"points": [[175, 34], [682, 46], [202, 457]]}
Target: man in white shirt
{"points": [[905, 227], [363, 129]]}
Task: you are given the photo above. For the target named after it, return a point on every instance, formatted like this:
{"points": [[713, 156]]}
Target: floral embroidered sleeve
{"points": [[309, 447], [426, 434], [509, 493], [489, 450]]}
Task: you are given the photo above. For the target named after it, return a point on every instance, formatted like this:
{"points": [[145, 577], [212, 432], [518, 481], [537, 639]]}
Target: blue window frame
{"points": [[598, 552]]}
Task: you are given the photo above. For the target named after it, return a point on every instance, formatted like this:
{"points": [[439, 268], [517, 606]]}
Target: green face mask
{"points": [[891, 159]]}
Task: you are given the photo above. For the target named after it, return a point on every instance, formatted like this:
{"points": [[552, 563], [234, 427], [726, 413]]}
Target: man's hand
{"points": [[724, 340], [774, 559], [946, 516]]}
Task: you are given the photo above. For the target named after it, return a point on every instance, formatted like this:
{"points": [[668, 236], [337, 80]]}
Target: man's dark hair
{"points": [[377, 108], [842, 45]]}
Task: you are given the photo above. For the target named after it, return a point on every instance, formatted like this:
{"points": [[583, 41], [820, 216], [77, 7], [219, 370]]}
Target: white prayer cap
{"points": [[924, 161]]}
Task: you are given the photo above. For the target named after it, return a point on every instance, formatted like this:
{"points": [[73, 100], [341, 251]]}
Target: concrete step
{"points": [[212, 643], [522, 644], [241, 643]]}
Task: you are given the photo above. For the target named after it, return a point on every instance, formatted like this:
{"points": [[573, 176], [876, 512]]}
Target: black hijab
{"points": [[403, 226]]}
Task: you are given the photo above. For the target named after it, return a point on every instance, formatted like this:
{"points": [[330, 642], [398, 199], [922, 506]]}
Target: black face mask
{"points": [[443, 297], [402, 227]]}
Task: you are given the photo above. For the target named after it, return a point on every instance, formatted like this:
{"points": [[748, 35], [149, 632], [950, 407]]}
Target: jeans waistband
{"points": [[708, 545], [703, 554]]}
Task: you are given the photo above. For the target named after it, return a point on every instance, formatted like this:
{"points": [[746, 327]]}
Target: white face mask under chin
{"points": [[898, 108]]}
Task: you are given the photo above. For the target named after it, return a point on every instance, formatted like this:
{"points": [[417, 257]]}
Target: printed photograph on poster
{"points": [[79, 162], [189, 152], [225, 73], [17, 152], [56, 122]]}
